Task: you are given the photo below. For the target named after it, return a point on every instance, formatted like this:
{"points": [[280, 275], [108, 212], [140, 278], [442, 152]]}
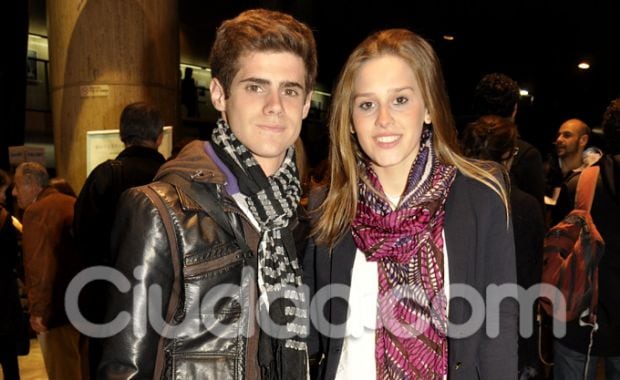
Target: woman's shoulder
{"points": [[465, 181], [469, 191]]}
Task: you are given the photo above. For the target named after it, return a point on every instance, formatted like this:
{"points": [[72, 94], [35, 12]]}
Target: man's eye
{"points": [[254, 88], [291, 92]]}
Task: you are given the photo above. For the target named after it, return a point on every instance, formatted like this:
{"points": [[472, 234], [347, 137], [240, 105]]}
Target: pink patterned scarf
{"points": [[407, 244]]}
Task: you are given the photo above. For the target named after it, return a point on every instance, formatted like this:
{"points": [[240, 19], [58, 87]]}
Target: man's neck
{"points": [[146, 144], [570, 163]]}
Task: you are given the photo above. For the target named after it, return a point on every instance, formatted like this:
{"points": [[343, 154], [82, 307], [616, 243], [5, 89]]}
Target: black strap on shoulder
{"points": [[177, 260]]}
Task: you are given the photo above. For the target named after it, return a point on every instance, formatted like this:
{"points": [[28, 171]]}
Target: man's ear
{"points": [[307, 105], [160, 139], [583, 140], [218, 95]]}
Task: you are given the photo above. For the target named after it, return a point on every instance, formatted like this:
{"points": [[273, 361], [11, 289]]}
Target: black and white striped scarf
{"points": [[273, 202]]}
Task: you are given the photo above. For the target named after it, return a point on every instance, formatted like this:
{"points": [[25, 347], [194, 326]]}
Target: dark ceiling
{"points": [[537, 42]]}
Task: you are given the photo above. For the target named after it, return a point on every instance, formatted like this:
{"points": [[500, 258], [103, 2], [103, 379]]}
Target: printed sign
{"points": [[106, 145]]}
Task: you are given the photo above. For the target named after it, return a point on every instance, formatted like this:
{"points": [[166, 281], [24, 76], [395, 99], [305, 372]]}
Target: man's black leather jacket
{"points": [[184, 240]]}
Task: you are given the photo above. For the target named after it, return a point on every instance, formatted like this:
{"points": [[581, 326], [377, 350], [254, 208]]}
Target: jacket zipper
{"points": [[212, 265]]}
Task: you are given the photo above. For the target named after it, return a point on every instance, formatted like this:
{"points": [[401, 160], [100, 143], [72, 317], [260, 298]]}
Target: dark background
{"points": [[537, 43]]}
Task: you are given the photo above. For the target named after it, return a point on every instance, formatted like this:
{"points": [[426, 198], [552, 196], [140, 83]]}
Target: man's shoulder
{"points": [[51, 199], [194, 163], [104, 168], [527, 150]]}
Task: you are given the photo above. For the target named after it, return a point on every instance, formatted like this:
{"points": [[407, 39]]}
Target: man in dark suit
{"points": [[141, 130]]}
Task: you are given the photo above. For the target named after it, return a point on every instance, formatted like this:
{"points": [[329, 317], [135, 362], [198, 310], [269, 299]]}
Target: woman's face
{"points": [[388, 114]]}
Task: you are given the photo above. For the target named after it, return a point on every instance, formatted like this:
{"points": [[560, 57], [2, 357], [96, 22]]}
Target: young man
{"points": [[218, 233], [141, 131], [50, 263]]}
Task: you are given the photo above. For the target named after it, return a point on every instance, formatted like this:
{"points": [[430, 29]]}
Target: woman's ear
{"points": [[218, 95], [427, 117]]}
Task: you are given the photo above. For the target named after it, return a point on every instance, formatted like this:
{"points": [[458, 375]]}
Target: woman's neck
{"points": [[392, 181]]}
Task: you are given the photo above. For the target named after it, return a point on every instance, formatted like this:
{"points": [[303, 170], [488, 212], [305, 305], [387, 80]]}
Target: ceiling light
{"points": [[448, 37], [583, 65]]}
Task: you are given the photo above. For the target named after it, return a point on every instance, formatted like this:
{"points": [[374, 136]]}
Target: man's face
{"points": [[569, 140], [266, 104], [25, 191]]}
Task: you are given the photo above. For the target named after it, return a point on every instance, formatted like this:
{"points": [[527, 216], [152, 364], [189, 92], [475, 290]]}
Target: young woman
{"points": [[405, 215]]}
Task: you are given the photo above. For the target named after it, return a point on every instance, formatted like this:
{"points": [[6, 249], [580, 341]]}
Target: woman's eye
{"points": [[401, 100], [365, 106]]}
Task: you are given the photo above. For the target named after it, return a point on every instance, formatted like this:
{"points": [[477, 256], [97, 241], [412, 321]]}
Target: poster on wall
{"points": [[106, 145], [24, 153], [31, 65]]}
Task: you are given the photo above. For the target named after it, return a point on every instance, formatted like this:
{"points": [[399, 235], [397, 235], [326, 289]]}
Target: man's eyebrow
{"points": [[256, 80], [289, 84], [265, 82]]}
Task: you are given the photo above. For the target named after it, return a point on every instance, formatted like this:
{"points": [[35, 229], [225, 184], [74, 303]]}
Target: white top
{"points": [[357, 359]]}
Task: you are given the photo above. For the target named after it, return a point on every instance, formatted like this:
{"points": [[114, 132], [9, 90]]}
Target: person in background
{"points": [[189, 93], [224, 215], [63, 186], [571, 351], [141, 131], [494, 138], [405, 220], [50, 263], [498, 94], [570, 144], [11, 314]]}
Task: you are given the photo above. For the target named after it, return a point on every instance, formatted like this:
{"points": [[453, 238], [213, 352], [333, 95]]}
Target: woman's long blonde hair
{"points": [[339, 207]]}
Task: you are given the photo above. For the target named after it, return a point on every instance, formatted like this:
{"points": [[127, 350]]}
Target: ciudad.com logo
{"points": [[205, 313]]}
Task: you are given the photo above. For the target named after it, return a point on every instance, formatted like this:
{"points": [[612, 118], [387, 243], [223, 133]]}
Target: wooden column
{"points": [[105, 54]]}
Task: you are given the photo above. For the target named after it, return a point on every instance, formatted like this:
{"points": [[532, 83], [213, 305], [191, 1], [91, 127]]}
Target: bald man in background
{"points": [[570, 142]]}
